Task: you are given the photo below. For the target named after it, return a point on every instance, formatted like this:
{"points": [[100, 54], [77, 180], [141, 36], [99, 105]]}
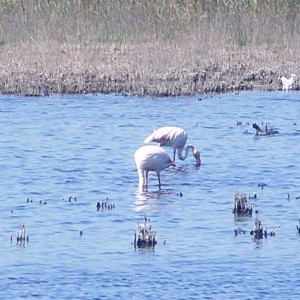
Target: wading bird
{"points": [[287, 83], [175, 138], [151, 158]]}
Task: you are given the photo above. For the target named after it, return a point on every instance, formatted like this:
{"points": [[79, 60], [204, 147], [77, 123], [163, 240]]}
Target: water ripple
{"points": [[83, 146]]}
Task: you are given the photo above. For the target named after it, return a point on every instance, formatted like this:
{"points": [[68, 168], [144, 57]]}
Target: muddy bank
{"points": [[147, 69]]}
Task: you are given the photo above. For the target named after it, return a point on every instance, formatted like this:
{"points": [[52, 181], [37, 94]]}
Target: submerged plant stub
{"points": [[145, 236], [241, 205]]}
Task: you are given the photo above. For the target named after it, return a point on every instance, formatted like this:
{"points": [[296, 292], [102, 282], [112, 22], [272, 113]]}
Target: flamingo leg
{"points": [[141, 174], [174, 155], [158, 177], [146, 179]]}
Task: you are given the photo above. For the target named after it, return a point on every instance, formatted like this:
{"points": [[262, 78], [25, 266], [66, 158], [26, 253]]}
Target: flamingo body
{"points": [[173, 137], [287, 83], [168, 136], [151, 158]]}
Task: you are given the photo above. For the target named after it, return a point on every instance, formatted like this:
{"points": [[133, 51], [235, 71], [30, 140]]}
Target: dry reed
{"points": [[162, 47]]}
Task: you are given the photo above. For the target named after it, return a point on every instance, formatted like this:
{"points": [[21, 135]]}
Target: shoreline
{"points": [[159, 70]]}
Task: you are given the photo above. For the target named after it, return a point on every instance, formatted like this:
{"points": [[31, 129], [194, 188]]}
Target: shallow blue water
{"points": [[53, 148]]}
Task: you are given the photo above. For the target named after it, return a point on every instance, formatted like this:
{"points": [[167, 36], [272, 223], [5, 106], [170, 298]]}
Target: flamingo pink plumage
{"points": [[175, 138], [151, 158]]}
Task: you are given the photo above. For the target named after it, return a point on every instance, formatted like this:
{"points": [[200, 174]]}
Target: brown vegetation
{"points": [[162, 47]]}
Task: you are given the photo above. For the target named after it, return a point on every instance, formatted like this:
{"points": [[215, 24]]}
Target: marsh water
{"points": [[55, 149]]}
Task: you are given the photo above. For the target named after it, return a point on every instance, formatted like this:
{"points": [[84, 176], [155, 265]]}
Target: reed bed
{"points": [[161, 48]]}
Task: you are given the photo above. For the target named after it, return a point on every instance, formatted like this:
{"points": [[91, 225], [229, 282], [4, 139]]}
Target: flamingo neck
{"points": [[185, 155], [186, 152]]}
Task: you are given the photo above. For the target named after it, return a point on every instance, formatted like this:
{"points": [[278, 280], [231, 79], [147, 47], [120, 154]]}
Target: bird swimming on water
{"points": [[175, 138], [261, 132], [151, 158]]}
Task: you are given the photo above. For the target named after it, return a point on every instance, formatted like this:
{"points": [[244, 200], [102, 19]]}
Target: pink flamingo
{"points": [[175, 138], [151, 158]]}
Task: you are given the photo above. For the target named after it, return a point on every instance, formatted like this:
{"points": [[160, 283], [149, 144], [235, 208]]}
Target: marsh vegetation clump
{"points": [[241, 206], [161, 48]]}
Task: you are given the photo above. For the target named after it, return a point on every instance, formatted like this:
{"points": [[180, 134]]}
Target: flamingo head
{"points": [[197, 156]]}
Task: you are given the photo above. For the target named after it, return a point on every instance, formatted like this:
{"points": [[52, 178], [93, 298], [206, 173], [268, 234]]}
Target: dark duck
{"points": [[264, 132]]}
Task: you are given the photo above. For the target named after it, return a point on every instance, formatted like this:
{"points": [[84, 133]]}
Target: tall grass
{"points": [[156, 47], [89, 22]]}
